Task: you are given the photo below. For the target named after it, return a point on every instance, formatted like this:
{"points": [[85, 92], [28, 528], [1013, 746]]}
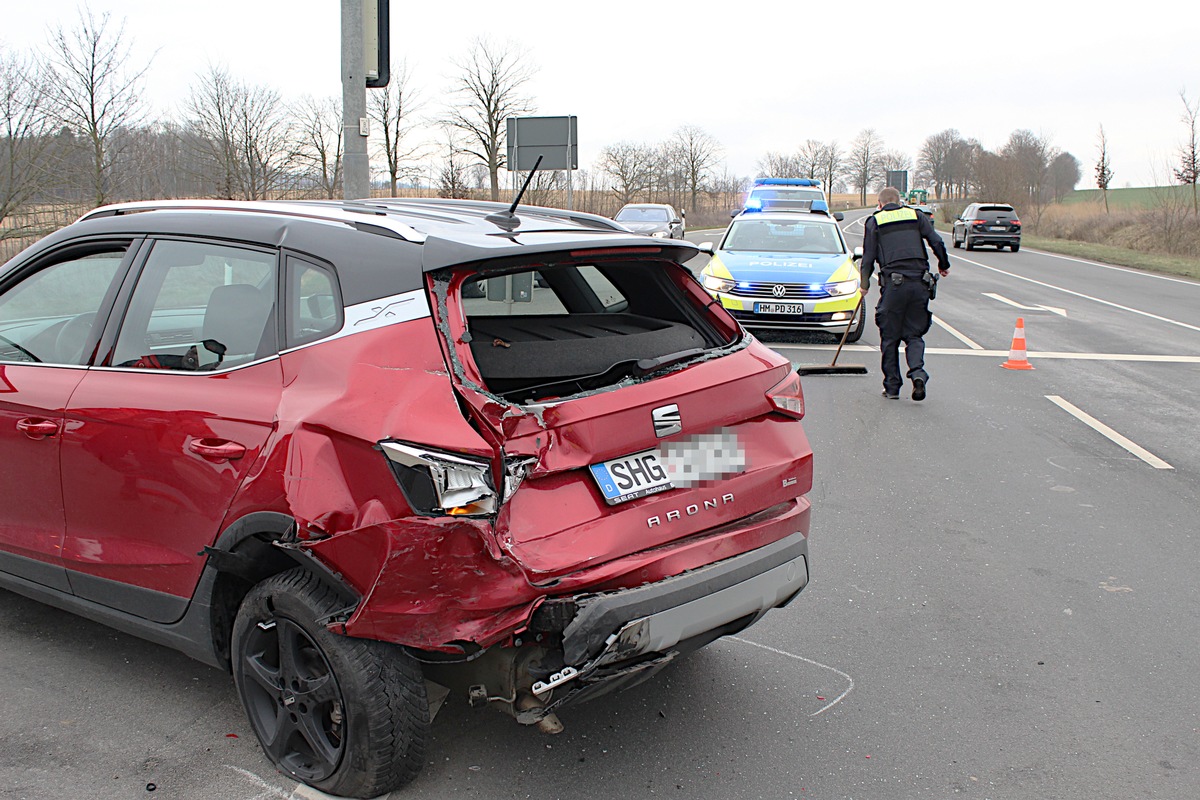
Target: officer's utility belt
{"points": [[926, 277]]}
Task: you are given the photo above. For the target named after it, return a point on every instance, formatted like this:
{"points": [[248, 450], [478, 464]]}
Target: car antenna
{"points": [[508, 219]]}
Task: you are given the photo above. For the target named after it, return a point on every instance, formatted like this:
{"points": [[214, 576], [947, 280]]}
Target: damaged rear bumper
{"points": [[616, 639]]}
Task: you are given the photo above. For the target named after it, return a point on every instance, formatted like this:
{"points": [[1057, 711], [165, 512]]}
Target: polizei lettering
{"points": [[690, 511]]}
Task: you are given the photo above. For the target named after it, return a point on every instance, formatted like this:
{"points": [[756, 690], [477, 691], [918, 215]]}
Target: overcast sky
{"points": [[757, 78]]}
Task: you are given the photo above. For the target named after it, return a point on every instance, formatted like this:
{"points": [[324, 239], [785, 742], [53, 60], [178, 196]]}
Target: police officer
{"points": [[895, 237]]}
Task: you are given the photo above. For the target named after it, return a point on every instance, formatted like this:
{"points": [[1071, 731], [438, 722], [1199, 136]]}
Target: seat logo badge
{"points": [[667, 421], [778, 290]]}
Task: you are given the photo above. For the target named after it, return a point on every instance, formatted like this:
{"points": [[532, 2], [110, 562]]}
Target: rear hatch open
{"points": [[630, 409]]}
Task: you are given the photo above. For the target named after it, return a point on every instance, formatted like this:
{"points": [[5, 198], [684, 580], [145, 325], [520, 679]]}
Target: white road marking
{"points": [[828, 705], [960, 336], [1084, 296], [1118, 269], [1062, 312], [1047, 354], [1104, 430]]}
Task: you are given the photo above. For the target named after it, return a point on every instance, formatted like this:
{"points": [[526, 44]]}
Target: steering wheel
{"points": [[68, 347]]}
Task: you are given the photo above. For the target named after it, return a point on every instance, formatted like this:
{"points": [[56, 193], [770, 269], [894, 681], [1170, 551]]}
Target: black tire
{"points": [[1014, 247], [967, 243], [954, 240], [857, 331], [343, 715]]}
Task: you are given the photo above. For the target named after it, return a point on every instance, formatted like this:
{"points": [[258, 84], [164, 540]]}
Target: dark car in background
{"points": [[652, 219], [987, 223], [297, 442]]}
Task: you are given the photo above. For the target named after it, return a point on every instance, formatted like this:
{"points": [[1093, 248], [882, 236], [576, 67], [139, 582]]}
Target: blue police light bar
{"points": [[754, 204], [787, 182]]}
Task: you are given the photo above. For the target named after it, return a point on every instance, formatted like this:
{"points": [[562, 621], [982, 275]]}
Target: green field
{"points": [[1131, 199]]}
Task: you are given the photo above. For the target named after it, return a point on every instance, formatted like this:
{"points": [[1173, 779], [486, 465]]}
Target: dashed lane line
{"points": [[1109, 433]]}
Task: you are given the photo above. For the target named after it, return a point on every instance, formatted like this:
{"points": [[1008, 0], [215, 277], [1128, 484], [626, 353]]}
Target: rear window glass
{"points": [[991, 212]]}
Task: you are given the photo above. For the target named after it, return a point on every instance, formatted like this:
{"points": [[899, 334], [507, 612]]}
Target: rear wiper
{"points": [[647, 365]]}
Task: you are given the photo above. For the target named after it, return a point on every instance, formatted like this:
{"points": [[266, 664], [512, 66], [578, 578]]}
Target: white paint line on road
{"points": [[1084, 296], [957, 335], [1118, 269], [828, 705], [1104, 430], [1062, 312], [1002, 354]]}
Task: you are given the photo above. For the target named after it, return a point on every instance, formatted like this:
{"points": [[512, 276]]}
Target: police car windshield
{"points": [[787, 194], [783, 236], [642, 215]]}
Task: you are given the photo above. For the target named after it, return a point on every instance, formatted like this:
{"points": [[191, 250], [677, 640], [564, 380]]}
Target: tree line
{"points": [[77, 133]]}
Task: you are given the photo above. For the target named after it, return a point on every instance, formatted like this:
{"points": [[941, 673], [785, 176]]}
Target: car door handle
{"points": [[36, 428], [219, 449]]}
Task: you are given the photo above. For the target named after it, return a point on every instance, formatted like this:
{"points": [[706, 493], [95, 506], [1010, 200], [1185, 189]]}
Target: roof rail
{"points": [[357, 214], [483, 207]]}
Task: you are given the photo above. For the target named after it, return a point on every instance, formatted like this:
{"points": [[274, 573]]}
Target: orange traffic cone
{"points": [[1016, 356]]}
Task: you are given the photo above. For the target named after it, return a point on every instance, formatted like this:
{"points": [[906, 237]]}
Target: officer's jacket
{"points": [[895, 237]]}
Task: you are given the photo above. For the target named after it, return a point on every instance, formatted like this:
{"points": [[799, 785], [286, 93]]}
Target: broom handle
{"points": [[846, 332]]}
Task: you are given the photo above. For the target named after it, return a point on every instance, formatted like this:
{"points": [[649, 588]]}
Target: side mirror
{"points": [[839, 216], [677, 221], [857, 255], [734, 213], [706, 247]]}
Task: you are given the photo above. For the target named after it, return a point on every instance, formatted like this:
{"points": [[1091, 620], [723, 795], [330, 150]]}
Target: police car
{"points": [[787, 194], [786, 269]]}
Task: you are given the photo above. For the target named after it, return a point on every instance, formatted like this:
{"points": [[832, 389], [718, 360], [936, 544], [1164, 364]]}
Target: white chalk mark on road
{"points": [[828, 705]]}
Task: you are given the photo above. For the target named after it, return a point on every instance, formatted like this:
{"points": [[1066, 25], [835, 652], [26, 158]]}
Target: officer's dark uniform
{"points": [[895, 237]]}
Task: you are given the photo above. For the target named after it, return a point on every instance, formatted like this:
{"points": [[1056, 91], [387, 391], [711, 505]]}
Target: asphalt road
{"points": [[1002, 603]]}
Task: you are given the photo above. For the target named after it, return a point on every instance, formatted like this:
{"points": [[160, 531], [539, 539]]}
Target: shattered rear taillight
{"points": [[788, 397], [440, 483], [437, 483]]}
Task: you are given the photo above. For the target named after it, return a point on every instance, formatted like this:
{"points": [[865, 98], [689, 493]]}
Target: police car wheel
{"points": [[857, 331]]}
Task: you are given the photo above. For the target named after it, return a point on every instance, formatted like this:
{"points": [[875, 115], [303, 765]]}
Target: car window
{"points": [[783, 236], [199, 306], [48, 316], [314, 305], [642, 215]]}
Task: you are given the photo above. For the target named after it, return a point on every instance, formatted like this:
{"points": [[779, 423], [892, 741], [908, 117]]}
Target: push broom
{"points": [[832, 367]]}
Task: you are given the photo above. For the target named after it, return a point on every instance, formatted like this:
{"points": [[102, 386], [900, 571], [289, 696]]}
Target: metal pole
{"points": [[570, 143], [356, 164]]}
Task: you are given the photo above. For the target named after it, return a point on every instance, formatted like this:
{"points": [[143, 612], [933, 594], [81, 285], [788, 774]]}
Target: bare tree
{"points": [[23, 139], [451, 176], [243, 135], [1189, 151], [1104, 173], [488, 93], [778, 165], [391, 110], [318, 146], [894, 161], [695, 155], [809, 158], [832, 164], [630, 166], [937, 160], [862, 162], [95, 92]]}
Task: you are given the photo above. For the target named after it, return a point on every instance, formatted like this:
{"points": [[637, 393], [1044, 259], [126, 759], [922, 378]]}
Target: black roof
{"points": [[380, 247]]}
